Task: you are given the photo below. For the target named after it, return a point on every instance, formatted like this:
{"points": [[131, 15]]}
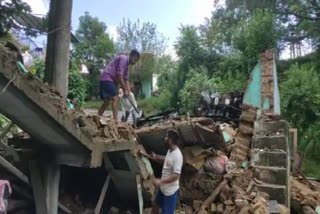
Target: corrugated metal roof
{"points": [[34, 22]]}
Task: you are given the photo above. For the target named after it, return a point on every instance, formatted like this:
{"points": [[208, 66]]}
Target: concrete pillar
{"points": [[58, 45], [52, 181]]}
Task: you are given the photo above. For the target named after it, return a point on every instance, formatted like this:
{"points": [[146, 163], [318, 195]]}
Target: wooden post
{"points": [[102, 195], [58, 45], [51, 182], [37, 187]]}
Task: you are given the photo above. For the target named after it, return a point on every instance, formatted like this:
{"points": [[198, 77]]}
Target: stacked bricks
{"points": [[270, 159], [267, 77], [241, 147]]}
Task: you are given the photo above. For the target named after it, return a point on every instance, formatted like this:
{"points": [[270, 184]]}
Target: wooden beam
{"points": [[37, 187], [212, 196], [102, 195]]}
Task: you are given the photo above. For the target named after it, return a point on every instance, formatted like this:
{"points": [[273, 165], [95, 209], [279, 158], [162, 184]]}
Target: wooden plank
{"points": [[140, 197], [37, 187], [102, 195]]}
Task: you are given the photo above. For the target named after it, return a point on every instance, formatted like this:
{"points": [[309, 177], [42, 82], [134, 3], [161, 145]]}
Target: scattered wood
{"points": [[213, 196]]}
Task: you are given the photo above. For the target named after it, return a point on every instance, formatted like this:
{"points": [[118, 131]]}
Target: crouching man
{"points": [[168, 185]]}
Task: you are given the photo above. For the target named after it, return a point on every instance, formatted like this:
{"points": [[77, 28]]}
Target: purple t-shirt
{"points": [[120, 65]]}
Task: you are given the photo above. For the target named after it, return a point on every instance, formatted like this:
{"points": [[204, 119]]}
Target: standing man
{"points": [[115, 73], [168, 185]]}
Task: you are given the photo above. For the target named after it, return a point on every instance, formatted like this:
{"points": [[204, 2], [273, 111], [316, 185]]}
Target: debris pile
{"points": [[305, 196], [232, 194]]}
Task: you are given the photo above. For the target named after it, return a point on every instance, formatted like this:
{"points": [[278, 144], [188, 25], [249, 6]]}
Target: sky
{"points": [[168, 15]]}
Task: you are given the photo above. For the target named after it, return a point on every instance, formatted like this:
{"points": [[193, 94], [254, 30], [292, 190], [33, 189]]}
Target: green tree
{"points": [[8, 11], [93, 49], [300, 96], [258, 33], [147, 40], [189, 95], [143, 37]]}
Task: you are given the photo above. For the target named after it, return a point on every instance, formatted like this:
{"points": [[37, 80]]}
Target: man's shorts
{"points": [[167, 203], [107, 90]]}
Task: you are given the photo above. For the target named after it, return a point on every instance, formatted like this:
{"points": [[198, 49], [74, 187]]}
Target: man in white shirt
{"points": [[168, 185], [129, 107]]}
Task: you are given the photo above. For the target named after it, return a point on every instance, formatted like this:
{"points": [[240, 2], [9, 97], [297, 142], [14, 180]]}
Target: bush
{"points": [[77, 88], [230, 82], [153, 105], [38, 68], [197, 81]]}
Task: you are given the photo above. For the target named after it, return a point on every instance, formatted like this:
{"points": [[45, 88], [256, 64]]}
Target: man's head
{"points": [[133, 57], [171, 138]]}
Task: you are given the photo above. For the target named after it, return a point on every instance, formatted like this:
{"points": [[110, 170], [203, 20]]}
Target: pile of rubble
{"points": [[305, 196]]}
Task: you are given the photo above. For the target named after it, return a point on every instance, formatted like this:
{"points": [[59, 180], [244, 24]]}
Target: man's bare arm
{"points": [[122, 83], [154, 157], [128, 85]]}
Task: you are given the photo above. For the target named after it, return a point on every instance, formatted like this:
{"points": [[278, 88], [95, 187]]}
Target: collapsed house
{"points": [[227, 168]]}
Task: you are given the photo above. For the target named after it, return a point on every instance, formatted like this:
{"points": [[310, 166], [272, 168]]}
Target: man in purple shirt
{"points": [[115, 73]]}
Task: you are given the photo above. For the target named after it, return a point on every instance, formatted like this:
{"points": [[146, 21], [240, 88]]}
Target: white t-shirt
{"points": [[172, 164], [125, 103]]}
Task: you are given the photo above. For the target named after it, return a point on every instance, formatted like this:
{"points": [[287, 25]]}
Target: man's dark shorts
{"points": [[167, 203], [107, 90]]}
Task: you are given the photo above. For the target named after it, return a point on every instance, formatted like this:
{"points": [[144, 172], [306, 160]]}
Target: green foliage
{"points": [[38, 68], [310, 142], [8, 10], [3, 121], [300, 96], [153, 105], [255, 35], [92, 50], [143, 37], [77, 88], [310, 168], [197, 82], [92, 104], [230, 82]]}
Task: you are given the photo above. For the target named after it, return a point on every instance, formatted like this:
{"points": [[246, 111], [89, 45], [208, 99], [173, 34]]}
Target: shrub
{"points": [[77, 88]]}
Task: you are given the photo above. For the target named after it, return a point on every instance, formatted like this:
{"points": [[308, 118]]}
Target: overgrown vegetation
{"points": [[217, 55]]}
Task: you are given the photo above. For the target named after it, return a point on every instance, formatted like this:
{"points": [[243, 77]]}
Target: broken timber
{"points": [[102, 195], [22, 177]]}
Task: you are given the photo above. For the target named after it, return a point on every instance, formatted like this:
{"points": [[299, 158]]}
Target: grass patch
{"points": [[310, 168], [92, 104]]}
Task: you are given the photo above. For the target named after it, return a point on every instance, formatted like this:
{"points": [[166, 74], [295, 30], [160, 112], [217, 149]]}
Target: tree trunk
{"points": [[57, 59]]}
